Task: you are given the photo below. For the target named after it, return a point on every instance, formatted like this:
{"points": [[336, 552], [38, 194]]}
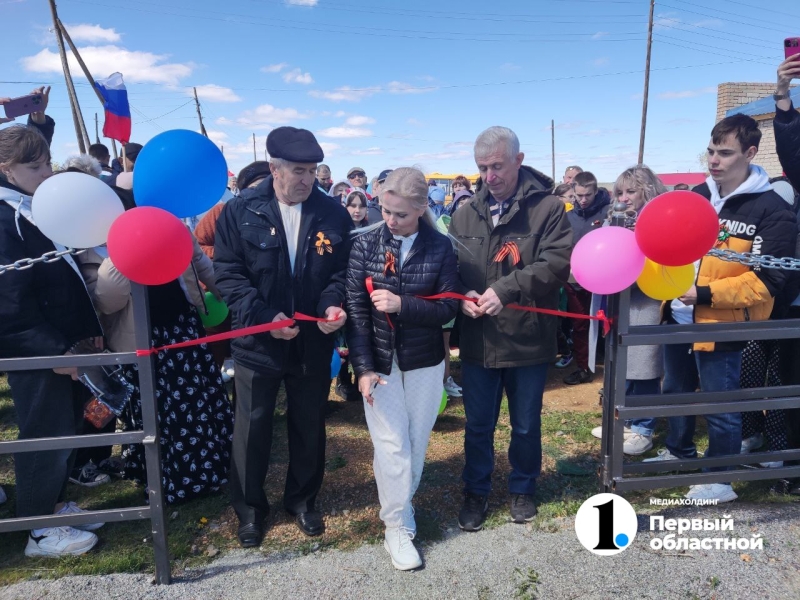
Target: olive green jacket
{"points": [[536, 224]]}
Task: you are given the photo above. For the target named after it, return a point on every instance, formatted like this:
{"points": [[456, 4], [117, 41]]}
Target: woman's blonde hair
{"points": [[410, 183], [643, 179]]}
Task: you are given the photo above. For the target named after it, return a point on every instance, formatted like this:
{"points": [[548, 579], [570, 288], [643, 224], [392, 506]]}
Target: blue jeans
{"points": [[483, 391], [714, 372], [642, 387]]}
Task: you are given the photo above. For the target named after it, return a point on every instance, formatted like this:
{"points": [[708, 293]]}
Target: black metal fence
{"points": [[148, 436], [616, 475]]}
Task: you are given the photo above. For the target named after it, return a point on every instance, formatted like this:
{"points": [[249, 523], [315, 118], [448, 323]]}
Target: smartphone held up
{"points": [[791, 46], [24, 105]]}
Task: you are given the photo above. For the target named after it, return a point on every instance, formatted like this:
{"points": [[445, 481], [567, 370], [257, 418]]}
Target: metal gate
{"points": [[616, 475], [149, 437]]}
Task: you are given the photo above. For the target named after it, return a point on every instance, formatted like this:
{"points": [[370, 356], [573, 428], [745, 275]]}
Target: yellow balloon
{"points": [[665, 283]]}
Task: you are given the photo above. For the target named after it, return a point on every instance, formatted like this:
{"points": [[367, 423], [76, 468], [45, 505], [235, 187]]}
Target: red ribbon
{"points": [[600, 316], [371, 288], [267, 327], [235, 333]]}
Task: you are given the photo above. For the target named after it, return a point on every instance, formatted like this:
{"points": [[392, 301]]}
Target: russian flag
{"points": [[118, 111]]}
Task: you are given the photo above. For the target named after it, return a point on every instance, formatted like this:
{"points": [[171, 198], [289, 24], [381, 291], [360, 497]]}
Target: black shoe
{"points": [[522, 508], [473, 512], [348, 392], [579, 376], [251, 534], [310, 523]]}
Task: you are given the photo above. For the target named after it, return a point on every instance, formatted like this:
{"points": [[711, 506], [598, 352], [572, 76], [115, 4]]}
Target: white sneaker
{"points": [[637, 444], [70, 508], [720, 492], [752, 443], [452, 388], [772, 465], [663, 454], [59, 541], [598, 432], [3, 496], [398, 544]]}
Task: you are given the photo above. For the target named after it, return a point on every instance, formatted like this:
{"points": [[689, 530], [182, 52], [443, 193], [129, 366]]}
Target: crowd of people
{"points": [[393, 273]]}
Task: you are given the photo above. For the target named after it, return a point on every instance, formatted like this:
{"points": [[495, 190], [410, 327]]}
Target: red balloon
{"points": [[677, 228], [150, 246]]}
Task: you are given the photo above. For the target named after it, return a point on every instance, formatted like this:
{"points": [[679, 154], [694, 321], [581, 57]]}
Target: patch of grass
{"points": [[337, 462], [527, 583]]}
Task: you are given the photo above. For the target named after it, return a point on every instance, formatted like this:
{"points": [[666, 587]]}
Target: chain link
{"points": [[47, 257], [764, 261]]}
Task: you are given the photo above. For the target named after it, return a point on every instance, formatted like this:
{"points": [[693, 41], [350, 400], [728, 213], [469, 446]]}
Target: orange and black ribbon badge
{"points": [[323, 244], [508, 249], [388, 266]]}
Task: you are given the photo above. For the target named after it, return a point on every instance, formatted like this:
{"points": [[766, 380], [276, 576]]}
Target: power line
{"points": [[716, 16]]}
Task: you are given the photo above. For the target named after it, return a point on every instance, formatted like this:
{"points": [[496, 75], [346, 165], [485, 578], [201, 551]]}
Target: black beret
{"points": [[295, 145], [253, 171], [132, 151]]}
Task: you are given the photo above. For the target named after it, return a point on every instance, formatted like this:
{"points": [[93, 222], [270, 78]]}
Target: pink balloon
{"points": [[607, 260]]}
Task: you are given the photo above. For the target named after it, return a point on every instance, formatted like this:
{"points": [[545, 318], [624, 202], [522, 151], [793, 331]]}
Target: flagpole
{"points": [[77, 117], [80, 62]]}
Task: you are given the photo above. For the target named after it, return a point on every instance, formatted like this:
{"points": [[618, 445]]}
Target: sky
{"points": [[384, 84]]}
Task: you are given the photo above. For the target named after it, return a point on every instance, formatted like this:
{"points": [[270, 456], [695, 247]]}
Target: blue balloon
{"points": [[336, 364], [181, 172]]}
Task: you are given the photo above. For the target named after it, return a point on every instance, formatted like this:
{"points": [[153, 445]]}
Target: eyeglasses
{"points": [[357, 174]]}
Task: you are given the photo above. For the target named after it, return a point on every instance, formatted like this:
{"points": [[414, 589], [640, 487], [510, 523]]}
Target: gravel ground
{"points": [[489, 564]]}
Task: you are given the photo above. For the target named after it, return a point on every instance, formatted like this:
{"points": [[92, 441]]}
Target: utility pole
{"points": [[199, 114], [96, 130], [77, 117], [255, 158], [646, 82], [222, 149], [553, 145]]}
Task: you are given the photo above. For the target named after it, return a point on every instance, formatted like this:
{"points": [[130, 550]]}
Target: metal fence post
{"points": [[152, 446]]}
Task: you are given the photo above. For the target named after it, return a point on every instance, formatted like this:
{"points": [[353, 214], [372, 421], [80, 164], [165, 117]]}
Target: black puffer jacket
{"points": [[251, 262], [46, 309], [787, 143], [430, 268]]}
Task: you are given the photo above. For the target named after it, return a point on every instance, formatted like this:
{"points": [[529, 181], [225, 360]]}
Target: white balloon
{"points": [[75, 210]]}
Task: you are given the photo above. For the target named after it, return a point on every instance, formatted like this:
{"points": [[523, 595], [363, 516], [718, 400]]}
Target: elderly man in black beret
{"points": [[278, 252]]}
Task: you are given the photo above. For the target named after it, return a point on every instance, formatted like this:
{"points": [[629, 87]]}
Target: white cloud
{"points": [[85, 32], [358, 120], [297, 76], [413, 121], [687, 93], [218, 137], [344, 93], [600, 62], [302, 2], [374, 151], [398, 87], [266, 116], [215, 93], [599, 35], [510, 67], [276, 68], [568, 125], [340, 114], [329, 148], [344, 132], [139, 67]]}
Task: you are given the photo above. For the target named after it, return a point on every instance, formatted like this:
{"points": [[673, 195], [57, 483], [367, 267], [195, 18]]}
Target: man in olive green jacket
{"points": [[514, 244]]}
